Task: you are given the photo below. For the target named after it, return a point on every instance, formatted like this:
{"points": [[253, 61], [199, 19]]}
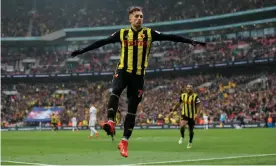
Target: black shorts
{"points": [[133, 83], [191, 122]]}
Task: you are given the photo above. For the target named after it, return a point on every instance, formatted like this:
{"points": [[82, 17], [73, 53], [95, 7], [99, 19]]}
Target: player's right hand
{"points": [[75, 53], [198, 43]]}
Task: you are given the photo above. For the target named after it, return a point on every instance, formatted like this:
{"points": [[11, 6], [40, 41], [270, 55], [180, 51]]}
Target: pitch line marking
{"points": [[22, 162], [206, 159]]}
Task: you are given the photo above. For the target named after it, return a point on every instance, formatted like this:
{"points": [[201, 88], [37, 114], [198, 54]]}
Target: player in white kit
{"points": [[74, 124], [92, 121], [205, 119]]}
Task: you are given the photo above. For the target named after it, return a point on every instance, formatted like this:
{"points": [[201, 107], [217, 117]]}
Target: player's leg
{"points": [[93, 128], [134, 94], [56, 126], [53, 127], [222, 123], [183, 123], [191, 124], [93, 131], [206, 124], [74, 126], [119, 83], [242, 123]]}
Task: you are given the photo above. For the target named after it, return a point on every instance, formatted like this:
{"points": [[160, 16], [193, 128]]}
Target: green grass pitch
{"points": [[214, 146]]}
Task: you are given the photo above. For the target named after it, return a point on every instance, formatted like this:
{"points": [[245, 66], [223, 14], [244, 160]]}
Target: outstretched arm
{"points": [[157, 36], [115, 37]]}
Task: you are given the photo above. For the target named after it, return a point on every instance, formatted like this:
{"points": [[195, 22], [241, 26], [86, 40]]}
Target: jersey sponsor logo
{"points": [[135, 43]]}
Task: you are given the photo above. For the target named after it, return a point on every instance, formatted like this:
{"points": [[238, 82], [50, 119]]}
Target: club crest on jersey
{"points": [[143, 36]]}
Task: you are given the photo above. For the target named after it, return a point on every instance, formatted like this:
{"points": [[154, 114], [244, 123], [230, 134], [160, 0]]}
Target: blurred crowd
{"points": [[163, 55], [252, 96], [36, 18]]}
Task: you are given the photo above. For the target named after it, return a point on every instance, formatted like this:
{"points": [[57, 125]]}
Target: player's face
{"points": [[136, 19], [189, 88]]}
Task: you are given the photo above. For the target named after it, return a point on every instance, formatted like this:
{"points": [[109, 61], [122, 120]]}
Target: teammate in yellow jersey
{"points": [[54, 121], [136, 43], [190, 112]]}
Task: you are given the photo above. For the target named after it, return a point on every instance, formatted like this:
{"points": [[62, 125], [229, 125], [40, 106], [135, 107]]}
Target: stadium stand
{"points": [[37, 18], [163, 55], [246, 94], [252, 94]]}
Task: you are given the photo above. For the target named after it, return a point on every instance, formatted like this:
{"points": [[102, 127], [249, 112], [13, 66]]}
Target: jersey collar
{"points": [[136, 31]]}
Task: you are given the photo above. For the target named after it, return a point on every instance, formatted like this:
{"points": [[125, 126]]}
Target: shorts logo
{"points": [[140, 93]]}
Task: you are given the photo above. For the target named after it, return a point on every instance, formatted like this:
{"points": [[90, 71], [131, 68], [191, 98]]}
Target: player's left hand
{"points": [[198, 43]]}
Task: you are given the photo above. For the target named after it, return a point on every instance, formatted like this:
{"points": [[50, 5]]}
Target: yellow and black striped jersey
{"points": [[189, 104], [135, 47]]}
